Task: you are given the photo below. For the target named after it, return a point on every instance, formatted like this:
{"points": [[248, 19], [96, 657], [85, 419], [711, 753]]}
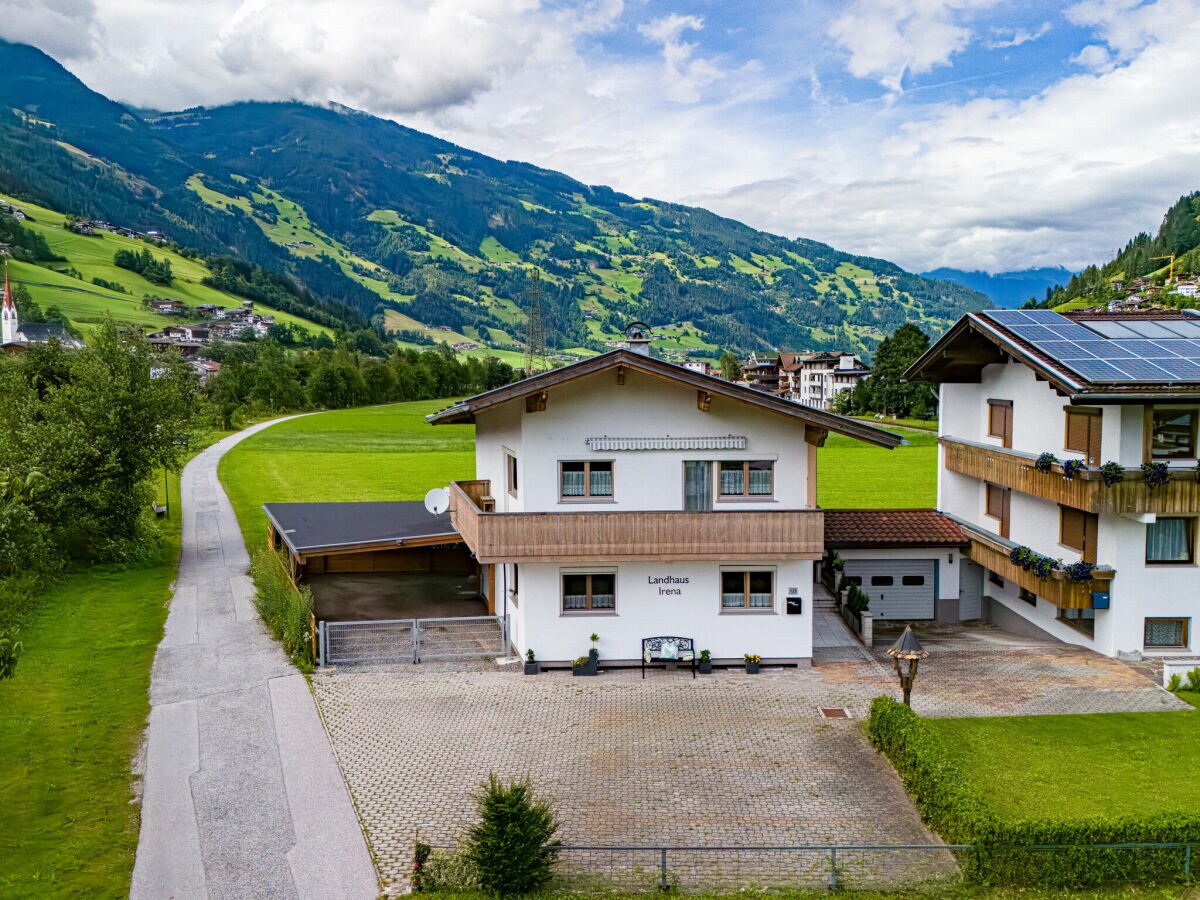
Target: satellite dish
{"points": [[437, 501]]}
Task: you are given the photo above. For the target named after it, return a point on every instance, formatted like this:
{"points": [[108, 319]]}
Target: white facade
{"points": [[1141, 590], [816, 379], [663, 429]]}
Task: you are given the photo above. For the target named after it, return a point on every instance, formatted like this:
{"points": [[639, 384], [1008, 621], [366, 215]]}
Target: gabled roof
{"points": [[1111, 357], [860, 528], [465, 410]]}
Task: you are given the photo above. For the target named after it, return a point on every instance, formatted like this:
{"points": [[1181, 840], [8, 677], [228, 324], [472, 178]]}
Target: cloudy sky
{"points": [[969, 133]]}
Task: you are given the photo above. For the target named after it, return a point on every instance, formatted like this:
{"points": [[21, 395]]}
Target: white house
{"points": [[817, 378], [1118, 390], [635, 498]]}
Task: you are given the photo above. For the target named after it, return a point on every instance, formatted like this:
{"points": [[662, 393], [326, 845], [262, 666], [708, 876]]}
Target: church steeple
{"points": [[8, 314]]}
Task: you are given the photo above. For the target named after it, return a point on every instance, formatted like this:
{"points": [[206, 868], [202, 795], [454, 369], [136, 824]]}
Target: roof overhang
{"points": [[465, 411], [365, 536]]}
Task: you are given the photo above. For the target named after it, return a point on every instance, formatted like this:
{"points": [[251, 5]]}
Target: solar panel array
{"points": [[1135, 350]]}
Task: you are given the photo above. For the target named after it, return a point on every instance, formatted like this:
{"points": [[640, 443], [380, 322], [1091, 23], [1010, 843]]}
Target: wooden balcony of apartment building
{"points": [[1086, 491], [994, 553], [618, 536]]}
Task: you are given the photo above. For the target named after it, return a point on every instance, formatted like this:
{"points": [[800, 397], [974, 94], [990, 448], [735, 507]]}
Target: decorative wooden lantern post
{"points": [[907, 647]]}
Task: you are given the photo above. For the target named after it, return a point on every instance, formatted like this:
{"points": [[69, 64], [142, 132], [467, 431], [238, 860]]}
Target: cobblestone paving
{"points": [[727, 759]]}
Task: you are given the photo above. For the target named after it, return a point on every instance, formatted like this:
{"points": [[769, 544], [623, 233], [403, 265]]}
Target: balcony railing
{"points": [[1086, 491], [992, 552], [604, 536]]}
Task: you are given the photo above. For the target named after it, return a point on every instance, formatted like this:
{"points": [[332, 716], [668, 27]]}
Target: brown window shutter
{"points": [[1008, 426], [1091, 525], [995, 502], [1093, 444], [1078, 431], [1072, 532]]}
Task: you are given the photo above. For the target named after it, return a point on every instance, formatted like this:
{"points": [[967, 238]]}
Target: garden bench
{"points": [[652, 652], [159, 510]]}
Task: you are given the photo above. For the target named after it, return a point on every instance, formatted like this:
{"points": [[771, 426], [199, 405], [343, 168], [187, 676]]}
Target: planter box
{"points": [[705, 667], [862, 624], [752, 668], [583, 670], [533, 668]]}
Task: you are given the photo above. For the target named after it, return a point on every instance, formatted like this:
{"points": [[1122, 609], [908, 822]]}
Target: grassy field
{"points": [[86, 304], [851, 474], [71, 722], [373, 453], [1136, 763]]}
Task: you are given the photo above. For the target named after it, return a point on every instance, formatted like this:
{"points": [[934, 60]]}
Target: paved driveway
{"points": [[727, 759]]}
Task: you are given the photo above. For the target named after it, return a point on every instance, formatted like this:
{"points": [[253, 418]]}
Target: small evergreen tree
{"points": [[513, 847]]}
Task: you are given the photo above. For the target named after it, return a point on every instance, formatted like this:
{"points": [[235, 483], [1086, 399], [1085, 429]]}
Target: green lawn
{"points": [[851, 474], [71, 721], [373, 453], [1030, 767]]}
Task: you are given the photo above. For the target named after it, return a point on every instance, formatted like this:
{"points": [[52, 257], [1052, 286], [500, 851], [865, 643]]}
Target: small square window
{"points": [[882, 581], [912, 580], [754, 478], [1173, 434], [1166, 633], [995, 579], [748, 590], [1028, 596], [585, 480], [584, 592], [1171, 540]]}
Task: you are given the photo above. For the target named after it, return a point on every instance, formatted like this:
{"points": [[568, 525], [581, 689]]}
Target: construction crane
{"points": [[1171, 270], [535, 329]]}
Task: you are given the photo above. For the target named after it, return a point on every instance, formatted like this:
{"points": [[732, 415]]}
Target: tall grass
{"points": [[286, 610]]}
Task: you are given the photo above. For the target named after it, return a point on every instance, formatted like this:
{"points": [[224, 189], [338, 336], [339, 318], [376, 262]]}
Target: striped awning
{"points": [[666, 442]]}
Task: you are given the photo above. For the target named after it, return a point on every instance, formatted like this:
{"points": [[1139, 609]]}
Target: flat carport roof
{"points": [[311, 529]]}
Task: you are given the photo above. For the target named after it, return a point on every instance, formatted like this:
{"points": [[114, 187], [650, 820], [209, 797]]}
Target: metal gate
{"points": [[411, 640]]}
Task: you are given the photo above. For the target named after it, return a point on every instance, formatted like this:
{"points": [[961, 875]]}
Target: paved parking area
{"points": [[726, 759], [723, 759]]}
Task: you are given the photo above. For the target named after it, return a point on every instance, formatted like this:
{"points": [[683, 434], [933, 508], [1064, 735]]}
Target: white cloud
{"points": [[1020, 36], [1094, 57], [685, 74], [890, 38]]}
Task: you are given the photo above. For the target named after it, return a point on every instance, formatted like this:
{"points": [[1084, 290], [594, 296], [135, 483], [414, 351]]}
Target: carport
{"points": [[378, 561]]}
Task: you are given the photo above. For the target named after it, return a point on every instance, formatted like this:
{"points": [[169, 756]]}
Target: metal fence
{"points": [[411, 640], [913, 868]]}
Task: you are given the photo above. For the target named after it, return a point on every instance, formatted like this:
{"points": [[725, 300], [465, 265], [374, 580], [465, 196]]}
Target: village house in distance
{"points": [[16, 337], [814, 378]]}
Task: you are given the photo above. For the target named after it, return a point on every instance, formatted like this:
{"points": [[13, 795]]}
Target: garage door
{"points": [[898, 588]]}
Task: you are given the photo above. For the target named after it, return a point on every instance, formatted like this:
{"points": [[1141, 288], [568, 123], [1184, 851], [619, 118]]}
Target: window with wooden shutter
{"points": [[998, 505], [1083, 433], [1078, 530], [1000, 421]]}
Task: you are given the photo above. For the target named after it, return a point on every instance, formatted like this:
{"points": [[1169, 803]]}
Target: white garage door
{"points": [[898, 588]]}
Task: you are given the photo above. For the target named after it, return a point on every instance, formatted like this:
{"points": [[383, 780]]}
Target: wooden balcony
{"points": [[1086, 491], [603, 536], [992, 552]]}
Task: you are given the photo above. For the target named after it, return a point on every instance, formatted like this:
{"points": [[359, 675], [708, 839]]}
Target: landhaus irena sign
{"points": [[662, 580]]}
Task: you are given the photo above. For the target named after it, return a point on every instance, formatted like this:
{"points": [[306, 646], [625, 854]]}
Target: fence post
{"points": [[1187, 862], [321, 643], [833, 882], [416, 641], [662, 872]]}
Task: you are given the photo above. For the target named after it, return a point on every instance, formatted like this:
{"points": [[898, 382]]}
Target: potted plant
{"points": [[1071, 468], [532, 666], [1155, 474], [1045, 462], [705, 662], [1112, 473], [753, 660], [582, 666], [594, 653]]}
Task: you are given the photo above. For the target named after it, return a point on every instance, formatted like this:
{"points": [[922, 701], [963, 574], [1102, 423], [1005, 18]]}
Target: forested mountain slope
{"points": [[416, 233]]}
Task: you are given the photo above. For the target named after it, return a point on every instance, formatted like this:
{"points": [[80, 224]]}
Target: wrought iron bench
{"points": [[652, 651]]}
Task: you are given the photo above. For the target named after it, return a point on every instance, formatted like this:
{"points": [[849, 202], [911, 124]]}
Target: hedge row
{"points": [[1003, 851], [286, 611]]}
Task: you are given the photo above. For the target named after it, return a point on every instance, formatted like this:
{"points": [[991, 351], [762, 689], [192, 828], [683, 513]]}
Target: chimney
{"points": [[846, 362], [638, 338]]}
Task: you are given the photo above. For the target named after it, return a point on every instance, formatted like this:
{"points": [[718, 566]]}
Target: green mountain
{"points": [[428, 239], [1145, 256]]}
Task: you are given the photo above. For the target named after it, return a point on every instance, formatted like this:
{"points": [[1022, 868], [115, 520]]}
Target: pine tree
{"points": [[513, 846]]}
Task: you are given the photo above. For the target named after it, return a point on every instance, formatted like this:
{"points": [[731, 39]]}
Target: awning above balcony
{"points": [[667, 442]]}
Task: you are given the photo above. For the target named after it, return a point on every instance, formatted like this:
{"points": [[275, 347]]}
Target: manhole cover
{"points": [[838, 713]]}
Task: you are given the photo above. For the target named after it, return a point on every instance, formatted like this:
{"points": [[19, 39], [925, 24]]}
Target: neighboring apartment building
{"points": [[635, 498], [761, 372], [817, 378], [1092, 387]]}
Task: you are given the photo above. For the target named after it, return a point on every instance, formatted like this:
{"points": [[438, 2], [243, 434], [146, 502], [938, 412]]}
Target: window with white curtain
{"points": [[753, 478], [1171, 540], [585, 480]]}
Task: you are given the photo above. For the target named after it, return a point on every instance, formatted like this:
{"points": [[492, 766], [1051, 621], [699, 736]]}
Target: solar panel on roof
{"points": [[1144, 370], [1034, 333], [1097, 370], [1176, 346], [1184, 329], [1009, 316], [1045, 316], [1107, 349], [1184, 369], [1142, 348], [1065, 350], [1108, 329], [1147, 329]]}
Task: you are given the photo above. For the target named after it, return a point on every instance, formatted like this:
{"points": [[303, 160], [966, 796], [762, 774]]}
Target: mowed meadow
{"points": [[391, 453]]}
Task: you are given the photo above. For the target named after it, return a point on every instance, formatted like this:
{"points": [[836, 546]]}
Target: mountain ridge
{"points": [[420, 235], [1008, 289]]}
